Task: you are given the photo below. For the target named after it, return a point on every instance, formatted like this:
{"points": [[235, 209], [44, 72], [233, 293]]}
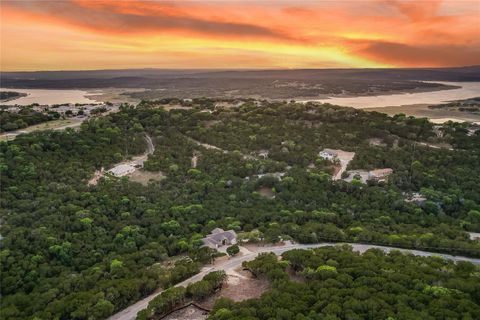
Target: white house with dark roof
{"points": [[219, 238], [328, 154]]}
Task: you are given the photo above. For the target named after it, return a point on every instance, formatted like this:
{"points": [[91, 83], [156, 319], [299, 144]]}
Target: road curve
{"points": [[150, 146], [130, 313]]}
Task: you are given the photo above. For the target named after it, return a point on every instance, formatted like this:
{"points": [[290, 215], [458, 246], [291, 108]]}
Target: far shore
{"points": [[422, 111]]}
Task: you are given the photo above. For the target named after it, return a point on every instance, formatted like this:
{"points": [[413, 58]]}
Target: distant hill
{"points": [[471, 73], [277, 84]]}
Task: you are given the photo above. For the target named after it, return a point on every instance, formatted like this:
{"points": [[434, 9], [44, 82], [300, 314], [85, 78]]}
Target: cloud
{"points": [[416, 10], [366, 33], [422, 55], [113, 17]]}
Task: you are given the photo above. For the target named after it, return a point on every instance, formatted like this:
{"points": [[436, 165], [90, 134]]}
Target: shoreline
{"points": [[119, 93], [422, 110], [49, 97], [21, 95]]}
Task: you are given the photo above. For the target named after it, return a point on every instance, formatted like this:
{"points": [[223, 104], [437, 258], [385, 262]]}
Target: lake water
{"points": [[48, 96], [467, 90]]}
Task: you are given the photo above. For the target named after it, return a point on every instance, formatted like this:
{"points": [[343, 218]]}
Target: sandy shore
{"points": [[114, 95], [422, 110]]}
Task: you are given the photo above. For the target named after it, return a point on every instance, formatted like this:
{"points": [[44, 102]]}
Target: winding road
{"points": [[130, 312]]}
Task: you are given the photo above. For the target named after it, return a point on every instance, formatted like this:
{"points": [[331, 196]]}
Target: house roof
{"points": [[219, 235], [217, 230]]}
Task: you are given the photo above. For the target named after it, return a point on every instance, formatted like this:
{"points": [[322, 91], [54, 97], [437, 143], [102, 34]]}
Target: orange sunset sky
{"points": [[114, 34]]}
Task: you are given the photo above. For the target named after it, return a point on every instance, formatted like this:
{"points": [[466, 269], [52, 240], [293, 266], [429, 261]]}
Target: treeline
{"points": [[337, 283], [8, 95]]}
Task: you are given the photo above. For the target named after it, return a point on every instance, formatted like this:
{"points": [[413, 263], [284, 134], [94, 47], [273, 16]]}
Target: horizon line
{"points": [[241, 69]]}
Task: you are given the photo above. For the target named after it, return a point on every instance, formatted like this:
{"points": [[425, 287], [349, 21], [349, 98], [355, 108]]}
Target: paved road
{"points": [[130, 312]]}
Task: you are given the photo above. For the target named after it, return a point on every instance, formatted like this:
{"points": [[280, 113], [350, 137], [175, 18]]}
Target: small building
{"points": [[276, 175], [122, 170], [263, 154], [471, 131], [474, 236], [219, 238], [415, 197], [438, 131], [191, 311], [328, 154]]}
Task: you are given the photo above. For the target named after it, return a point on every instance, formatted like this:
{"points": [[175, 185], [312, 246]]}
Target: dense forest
{"points": [[175, 297], [74, 251], [337, 283]]}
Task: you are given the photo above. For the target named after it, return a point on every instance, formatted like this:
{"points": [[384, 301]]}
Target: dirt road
{"points": [[150, 146], [130, 312], [344, 157]]}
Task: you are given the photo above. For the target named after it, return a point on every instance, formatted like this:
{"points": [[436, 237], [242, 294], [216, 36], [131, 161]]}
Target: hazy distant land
{"points": [[392, 91], [262, 84]]}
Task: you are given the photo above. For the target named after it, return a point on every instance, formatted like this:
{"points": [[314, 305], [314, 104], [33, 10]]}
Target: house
{"points": [[122, 170], [471, 131], [263, 154], [416, 198], [219, 238], [276, 175], [438, 131], [474, 236], [328, 154]]}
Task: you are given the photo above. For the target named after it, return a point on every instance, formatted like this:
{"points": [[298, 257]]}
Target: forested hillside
{"points": [[336, 283], [74, 251]]}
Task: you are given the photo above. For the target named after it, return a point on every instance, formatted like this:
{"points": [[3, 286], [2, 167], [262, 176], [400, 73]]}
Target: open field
{"points": [[54, 125], [143, 177], [240, 285]]}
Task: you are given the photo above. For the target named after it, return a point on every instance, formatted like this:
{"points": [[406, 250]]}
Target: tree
{"points": [[233, 250], [200, 289], [102, 309]]}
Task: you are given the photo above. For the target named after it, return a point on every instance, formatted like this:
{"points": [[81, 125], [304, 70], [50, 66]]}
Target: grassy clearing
{"points": [[50, 125], [143, 177]]}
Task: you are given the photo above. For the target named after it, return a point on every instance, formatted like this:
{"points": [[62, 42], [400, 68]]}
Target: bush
{"points": [[233, 250]]}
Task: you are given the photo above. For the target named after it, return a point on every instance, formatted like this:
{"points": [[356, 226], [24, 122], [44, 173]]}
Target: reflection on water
{"points": [[48, 96], [467, 90]]}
